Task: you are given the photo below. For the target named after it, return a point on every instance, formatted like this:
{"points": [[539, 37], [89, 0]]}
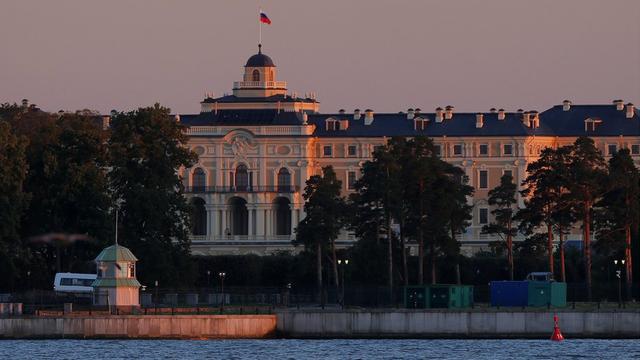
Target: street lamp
{"points": [[156, 302], [619, 276], [222, 274], [341, 262], [208, 278]]}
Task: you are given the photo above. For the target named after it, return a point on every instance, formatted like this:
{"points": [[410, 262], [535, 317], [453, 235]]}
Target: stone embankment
{"points": [[457, 324], [141, 327]]}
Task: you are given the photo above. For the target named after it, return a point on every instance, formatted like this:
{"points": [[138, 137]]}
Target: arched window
{"points": [[239, 217], [271, 75], [199, 217], [283, 216], [256, 75], [242, 178], [284, 180], [199, 180]]}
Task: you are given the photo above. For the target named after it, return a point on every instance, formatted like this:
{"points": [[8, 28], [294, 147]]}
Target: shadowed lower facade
{"points": [[258, 145]]}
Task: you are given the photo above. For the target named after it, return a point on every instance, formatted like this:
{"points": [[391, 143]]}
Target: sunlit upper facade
{"points": [[259, 145]]}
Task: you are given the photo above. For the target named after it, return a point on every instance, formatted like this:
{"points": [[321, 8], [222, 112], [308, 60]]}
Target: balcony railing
{"points": [[260, 84], [285, 189]]}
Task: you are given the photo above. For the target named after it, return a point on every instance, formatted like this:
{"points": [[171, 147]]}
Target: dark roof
{"points": [[571, 122], [273, 98], [553, 122], [260, 60], [242, 117]]}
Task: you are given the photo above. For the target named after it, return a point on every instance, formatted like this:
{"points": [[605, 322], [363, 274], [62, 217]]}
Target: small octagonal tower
{"points": [[116, 284]]}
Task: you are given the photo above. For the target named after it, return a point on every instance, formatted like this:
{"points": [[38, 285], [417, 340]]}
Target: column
{"points": [[210, 214], [250, 231], [294, 221], [223, 220], [260, 221], [269, 224]]}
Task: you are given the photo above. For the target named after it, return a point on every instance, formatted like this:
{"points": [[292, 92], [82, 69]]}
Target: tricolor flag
{"points": [[264, 18]]}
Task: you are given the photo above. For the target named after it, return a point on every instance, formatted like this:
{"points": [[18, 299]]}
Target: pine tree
{"points": [[503, 199], [325, 211]]}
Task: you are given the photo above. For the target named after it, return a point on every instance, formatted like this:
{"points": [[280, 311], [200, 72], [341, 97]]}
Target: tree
{"points": [[324, 208], [13, 199], [67, 158], [147, 148], [587, 172], [547, 200], [503, 198], [377, 200], [619, 206]]}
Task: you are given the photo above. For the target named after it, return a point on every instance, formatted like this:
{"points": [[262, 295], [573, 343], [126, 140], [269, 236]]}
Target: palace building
{"points": [[259, 145]]}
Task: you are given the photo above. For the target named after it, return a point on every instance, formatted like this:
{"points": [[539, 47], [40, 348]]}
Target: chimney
{"points": [[566, 105], [619, 104], [526, 119], [630, 111], [177, 118], [492, 110], [356, 114], [305, 118], [417, 111], [25, 103], [501, 114], [368, 117], [479, 120], [448, 112], [439, 115], [341, 111], [410, 114]]}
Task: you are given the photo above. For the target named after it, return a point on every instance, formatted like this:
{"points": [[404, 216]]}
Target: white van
{"points": [[72, 283]]}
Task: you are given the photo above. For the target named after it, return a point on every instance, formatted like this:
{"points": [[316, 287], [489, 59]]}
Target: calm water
{"points": [[319, 349]]}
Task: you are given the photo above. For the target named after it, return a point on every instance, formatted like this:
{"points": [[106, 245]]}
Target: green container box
{"points": [[543, 293], [416, 297], [450, 296]]}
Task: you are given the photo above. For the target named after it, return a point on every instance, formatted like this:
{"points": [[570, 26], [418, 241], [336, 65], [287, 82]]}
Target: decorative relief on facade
{"points": [[198, 150], [283, 150], [211, 150]]}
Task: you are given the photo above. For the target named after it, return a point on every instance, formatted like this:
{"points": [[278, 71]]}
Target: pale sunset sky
{"points": [[384, 55]]}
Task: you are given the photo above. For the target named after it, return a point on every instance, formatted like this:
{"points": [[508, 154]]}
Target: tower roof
{"points": [[260, 60], [116, 253]]}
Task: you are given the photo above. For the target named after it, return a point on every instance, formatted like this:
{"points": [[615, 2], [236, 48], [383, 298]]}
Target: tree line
{"points": [[407, 193], [62, 178]]}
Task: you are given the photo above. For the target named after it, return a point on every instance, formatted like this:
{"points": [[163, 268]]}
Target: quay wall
{"points": [[460, 324], [141, 327]]}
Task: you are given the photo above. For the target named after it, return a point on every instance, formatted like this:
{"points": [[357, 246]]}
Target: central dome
{"points": [[260, 60]]}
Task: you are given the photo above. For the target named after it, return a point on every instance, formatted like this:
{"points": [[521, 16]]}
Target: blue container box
{"points": [[509, 293]]}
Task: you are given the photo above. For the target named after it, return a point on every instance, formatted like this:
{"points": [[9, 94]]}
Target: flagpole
{"points": [[260, 31]]}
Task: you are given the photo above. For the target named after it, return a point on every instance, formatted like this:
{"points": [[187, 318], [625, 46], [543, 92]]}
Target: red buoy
{"points": [[557, 335]]}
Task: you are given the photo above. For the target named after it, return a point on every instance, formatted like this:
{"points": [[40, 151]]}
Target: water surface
{"points": [[318, 349]]}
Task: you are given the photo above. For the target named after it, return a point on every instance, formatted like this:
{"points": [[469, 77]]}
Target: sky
{"points": [[384, 55]]}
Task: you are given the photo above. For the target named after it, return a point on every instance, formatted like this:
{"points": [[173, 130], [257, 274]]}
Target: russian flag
{"points": [[264, 18]]}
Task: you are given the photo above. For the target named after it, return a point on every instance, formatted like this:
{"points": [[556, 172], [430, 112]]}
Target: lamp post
{"points": [[222, 274], [619, 276], [208, 278], [156, 301], [342, 264]]}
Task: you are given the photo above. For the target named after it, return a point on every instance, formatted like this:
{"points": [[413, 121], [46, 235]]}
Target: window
{"points": [[612, 149], [635, 149], [284, 180], [327, 151], [483, 181], [507, 172], [242, 178], [483, 217], [420, 124], [591, 124], [256, 75], [351, 150], [199, 180], [457, 150], [438, 150], [351, 180], [507, 149], [198, 217], [332, 125], [484, 149]]}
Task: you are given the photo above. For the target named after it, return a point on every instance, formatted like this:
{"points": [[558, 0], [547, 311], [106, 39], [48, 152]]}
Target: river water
{"points": [[319, 349]]}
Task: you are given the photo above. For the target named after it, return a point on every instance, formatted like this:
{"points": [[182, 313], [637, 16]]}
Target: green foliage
{"points": [[503, 200], [147, 146]]}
